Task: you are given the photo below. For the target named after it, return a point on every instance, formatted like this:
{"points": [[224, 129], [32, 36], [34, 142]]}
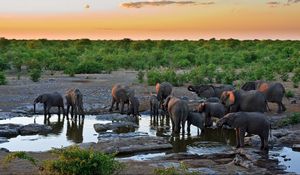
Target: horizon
{"points": [[154, 20]]}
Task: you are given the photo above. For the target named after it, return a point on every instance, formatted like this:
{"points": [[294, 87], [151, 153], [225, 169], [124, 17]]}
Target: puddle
{"points": [[66, 133]]}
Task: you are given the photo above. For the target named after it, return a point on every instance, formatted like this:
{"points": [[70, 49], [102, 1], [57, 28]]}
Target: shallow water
{"points": [[66, 133]]}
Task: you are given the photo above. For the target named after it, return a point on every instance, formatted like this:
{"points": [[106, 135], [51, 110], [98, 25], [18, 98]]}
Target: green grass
{"points": [[73, 160], [292, 119]]}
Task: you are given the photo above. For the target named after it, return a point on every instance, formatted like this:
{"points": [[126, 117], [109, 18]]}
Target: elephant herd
{"points": [[242, 109]]}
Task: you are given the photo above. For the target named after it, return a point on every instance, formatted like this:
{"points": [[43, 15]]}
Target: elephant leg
{"points": [[242, 136], [72, 111], [122, 107], [45, 110], [48, 111], [68, 109], [237, 135], [283, 107], [188, 127], [266, 143], [58, 110], [117, 105], [173, 125], [262, 142], [279, 108], [112, 105]]}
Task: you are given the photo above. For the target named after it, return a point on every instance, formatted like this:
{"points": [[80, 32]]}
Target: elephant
{"points": [[74, 101], [154, 105], [207, 91], [250, 122], [213, 100], [274, 91], [211, 110], [178, 111], [195, 119], [163, 90], [50, 100], [121, 94], [247, 101], [134, 105]]}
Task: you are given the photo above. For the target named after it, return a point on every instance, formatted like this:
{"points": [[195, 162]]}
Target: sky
{"points": [[150, 19]]}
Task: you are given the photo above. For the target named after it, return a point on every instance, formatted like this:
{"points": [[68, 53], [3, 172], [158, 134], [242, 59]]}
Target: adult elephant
{"points": [[207, 91], [211, 110], [121, 94], [250, 122], [74, 101], [247, 101], [50, 100], [178, 111], [163, 90], [273, 91]]}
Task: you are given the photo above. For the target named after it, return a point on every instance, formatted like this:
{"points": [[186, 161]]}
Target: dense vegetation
{"points": [[72, 160], [204, 61]]}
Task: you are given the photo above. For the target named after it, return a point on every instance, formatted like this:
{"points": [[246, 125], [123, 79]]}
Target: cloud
{"points": [[273, 3], [289, 2], [162, 3]]}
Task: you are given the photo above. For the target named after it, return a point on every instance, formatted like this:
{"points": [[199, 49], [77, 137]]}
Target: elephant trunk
{"points": [[34, 104]]}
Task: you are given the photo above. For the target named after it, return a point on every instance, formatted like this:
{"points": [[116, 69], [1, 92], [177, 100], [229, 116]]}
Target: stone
{"points": [[4, 150], [115, 126], [9, 130], [115, 117], [296, 147], [293, 101], [110, 136], [33, 129], [238, 160], [3, 140]]}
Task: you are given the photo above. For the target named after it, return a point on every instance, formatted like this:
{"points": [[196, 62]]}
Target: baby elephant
{"points": [[178, 111], [49, 100], [211, 110], [250, 122], [74, 101], [134, 105], [154, 105], [196, 119]]}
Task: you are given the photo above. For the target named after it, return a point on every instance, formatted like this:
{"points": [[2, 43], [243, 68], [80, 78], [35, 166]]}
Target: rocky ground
{"points": [[17, 97]]}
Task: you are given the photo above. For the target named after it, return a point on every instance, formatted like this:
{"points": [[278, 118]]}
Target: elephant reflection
{"points": [[57, 126], [75, 130]]}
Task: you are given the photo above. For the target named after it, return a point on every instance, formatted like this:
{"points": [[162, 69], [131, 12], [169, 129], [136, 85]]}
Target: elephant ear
{"points": [[201, 107], [230, 98], [263, 87], [44, 98], [231, 120], [157, 87]]}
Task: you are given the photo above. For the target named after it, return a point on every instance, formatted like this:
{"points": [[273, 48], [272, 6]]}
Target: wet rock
{"points": [[115, 126], [280, 133], [238, 160], [32, 129], [293, 137], [254, 141], [6, 115], [87, 145], [3, 140], [115, 117], [4, 150], [128, 143], [109, 136], [293, 101], [296, 147], [201, 170], [9, 130]]}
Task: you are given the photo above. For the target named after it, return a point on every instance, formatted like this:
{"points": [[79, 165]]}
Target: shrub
{"points": [[289, 94], [35, 74], [153, 77], [2, 79], [73, 160], [284, 76], [70, 71], [291, 119], [140, 76], [89, 67]]}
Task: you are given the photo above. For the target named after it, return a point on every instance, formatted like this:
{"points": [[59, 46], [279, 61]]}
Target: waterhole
{"points": [[67, 132]]}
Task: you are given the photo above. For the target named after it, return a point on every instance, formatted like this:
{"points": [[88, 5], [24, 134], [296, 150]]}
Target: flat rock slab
{"points": [[296, 147], [115, 126], [3, 140], [130, 143], [9, 130], [116, 117], [32, 129], [109, 136]]}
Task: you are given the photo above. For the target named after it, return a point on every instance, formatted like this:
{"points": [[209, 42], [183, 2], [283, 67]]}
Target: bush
{"points": [[284, 76], [2, 79], [35, 75], [140, 76], [89, 67], [73, 160], [289, 94], [290, 120], [153, 77]]}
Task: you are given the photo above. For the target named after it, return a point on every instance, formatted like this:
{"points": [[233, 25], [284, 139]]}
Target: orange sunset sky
{"points": [[142, 19]]}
